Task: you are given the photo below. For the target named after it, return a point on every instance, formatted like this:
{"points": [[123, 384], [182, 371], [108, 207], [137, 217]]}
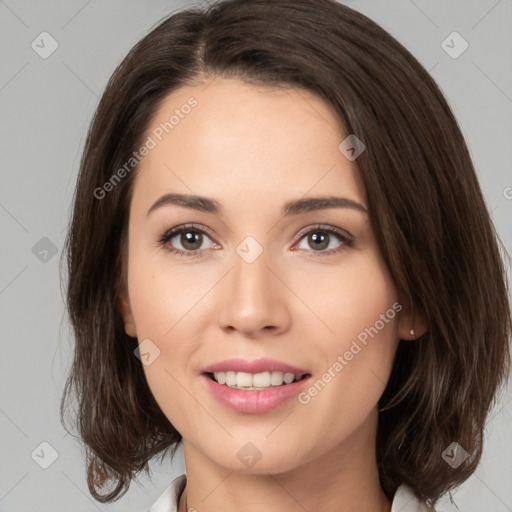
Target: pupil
{"points": [[322, 239], [188, 238]]}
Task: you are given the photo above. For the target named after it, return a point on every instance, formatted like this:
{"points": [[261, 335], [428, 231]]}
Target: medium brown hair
{"points": [[425, 205]]}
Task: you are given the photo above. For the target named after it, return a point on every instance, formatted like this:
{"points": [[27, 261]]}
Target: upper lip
{"points": [[253, 366]]}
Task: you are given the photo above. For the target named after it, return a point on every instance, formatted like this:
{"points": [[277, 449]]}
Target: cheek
{"points": [[365, 305], [166, 306], [367, 320], [165, 296], [348, 298], [359, 304]]}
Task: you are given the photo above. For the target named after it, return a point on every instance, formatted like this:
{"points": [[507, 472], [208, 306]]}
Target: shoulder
{"points": [[406, 501], [169, 499]]}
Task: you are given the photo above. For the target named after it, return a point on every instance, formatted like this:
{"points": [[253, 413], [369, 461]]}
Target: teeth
{"points": [[262, 380]]}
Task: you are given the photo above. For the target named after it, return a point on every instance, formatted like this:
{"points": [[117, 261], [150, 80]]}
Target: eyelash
{"points": [[347, 240]]}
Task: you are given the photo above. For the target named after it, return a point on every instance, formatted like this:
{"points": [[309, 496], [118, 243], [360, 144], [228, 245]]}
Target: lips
{"points": [[254, 366], [254, 401]]}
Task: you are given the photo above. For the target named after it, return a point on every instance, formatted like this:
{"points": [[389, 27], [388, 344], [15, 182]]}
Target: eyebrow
{"points": [[295, 207]]}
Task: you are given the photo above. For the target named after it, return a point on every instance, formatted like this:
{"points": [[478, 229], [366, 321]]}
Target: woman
{"points": [[280, 255]]}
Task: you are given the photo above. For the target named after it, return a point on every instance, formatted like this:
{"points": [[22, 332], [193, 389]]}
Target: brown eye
{"points": [[191, 240], [319, 238], [184, 240], [319, 241]]}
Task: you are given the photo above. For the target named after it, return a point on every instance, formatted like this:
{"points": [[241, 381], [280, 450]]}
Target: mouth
{"points": [[257, 381], [254, 386]]}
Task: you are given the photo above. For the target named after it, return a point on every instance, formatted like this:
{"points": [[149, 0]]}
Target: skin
{"points": [[252, 149]]}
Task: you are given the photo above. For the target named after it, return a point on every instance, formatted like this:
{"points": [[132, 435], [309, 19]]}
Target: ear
{"points": [[410, 318], [126, 312]]}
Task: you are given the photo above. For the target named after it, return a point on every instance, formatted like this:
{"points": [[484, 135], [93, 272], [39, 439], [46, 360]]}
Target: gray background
{"points": [[46, 106]]}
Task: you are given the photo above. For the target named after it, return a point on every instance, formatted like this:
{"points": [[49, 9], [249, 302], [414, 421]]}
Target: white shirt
{"points": [[403, 501]]}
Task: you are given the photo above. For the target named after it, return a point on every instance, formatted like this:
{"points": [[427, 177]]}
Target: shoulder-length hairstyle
{"points": [[426, 209]]}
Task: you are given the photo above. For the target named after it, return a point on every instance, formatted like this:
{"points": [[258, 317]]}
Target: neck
{"points": [[342, 479]]}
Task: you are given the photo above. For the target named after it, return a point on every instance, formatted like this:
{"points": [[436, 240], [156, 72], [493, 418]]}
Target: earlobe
{"points": [[412, 325], [126, 313]]}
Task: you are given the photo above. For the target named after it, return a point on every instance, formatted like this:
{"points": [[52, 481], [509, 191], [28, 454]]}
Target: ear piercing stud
{"points": [[411, 332]]}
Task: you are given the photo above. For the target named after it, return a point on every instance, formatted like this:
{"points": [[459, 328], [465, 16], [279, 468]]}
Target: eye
{"points": [[320, 237], [189, 236]]}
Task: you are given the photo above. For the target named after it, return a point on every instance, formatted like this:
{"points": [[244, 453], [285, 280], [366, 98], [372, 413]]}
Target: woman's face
{"points": [[263, 282]]}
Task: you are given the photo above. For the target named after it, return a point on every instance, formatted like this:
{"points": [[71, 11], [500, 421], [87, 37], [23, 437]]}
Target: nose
{"points": [[254, 300]]}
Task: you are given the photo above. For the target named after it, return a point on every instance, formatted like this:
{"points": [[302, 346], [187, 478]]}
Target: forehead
{"points": [[232, 140]]}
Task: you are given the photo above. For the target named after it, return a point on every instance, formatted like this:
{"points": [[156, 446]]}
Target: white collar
{"points": [[403, 501]]}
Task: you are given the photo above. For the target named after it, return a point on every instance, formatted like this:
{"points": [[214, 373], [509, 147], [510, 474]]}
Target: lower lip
{"points": [[254, 401]]}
